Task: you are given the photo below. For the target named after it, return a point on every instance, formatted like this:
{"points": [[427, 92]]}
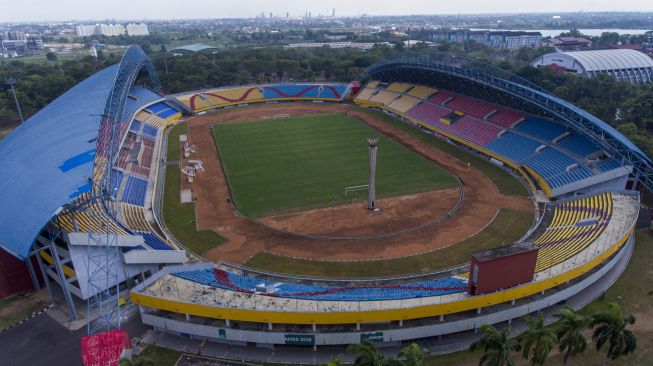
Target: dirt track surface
{"points": [[245, 238], [355, 220]]}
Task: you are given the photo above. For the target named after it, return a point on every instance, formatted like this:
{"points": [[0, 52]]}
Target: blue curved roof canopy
{"points": [[48, 160]]}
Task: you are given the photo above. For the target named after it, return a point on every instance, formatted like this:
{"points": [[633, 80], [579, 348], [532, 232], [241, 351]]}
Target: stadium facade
{"points": [[106, 179]]}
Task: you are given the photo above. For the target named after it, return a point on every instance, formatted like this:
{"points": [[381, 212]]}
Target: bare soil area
{"points": [[246, 238]]}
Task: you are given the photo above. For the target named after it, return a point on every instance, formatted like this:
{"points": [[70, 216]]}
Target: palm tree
{"points": [[538, 341], [411, 355], [611, 329], [571, 340], [367, 354], [335, 361], [496, 346]]}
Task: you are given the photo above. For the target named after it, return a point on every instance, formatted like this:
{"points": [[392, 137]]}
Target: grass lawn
{"points": [[283, 165], [508, 227], [159, 355], [19, 307], [178, 217], [506, 183]]}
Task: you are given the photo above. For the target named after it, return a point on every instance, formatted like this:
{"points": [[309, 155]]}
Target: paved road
{"points": [[44, 342]]}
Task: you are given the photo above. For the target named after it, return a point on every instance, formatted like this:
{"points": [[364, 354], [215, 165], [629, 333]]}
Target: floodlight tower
{"points": [[371, 198], [11, 82]]}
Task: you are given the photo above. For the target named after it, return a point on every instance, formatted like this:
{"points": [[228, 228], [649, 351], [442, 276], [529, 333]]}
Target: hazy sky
{"points": [[37, 10]]}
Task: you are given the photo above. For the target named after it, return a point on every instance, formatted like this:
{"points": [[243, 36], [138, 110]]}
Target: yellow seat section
{"points": [[564, 238], [421, 92], [134, 217], [384, 97], [399, 87], [403, 104], [92, 219]]}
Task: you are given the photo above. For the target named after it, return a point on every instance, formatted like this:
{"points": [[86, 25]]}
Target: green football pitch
{"points": [[284, 165]]}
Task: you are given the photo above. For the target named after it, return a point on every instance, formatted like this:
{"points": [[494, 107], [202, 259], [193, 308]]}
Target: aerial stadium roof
{"points": [[603, 60], [197, 47], [48, 160]]}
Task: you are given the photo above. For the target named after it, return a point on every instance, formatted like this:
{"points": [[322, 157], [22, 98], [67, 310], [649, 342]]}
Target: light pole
{"points": [[11, 81], [371, 198]]}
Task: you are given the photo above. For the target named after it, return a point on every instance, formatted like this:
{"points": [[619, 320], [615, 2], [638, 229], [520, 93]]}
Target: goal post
{"points": [[351, 189]]}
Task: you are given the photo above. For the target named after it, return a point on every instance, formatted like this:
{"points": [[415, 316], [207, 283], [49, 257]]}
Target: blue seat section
{"points": [[135, 126], [541, 128], [608, 165], [134, 191], [157, 107], [565, 177], [138, 97], [162, 110], [150, 131], [168, 113], [154, 241], [116, 181], [579, 145], [514, 147], [549, 162], [551, 165], [128, 249], [334, 91], [236, 282]]}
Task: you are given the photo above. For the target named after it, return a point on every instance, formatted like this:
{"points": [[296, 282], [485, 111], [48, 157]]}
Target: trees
{"points": [[51, 56], [411, 355], [571, 340], [611, 330], [538, 341], [367, 354], [497, 346]]}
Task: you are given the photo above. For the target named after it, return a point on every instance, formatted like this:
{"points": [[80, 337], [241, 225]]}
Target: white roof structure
{"points": [[604, 60], [622, 64]]}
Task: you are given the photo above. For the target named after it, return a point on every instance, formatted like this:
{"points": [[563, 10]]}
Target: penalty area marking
{"points": [[280, 116]]}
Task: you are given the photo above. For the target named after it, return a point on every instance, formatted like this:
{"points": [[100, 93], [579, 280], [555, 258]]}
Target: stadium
{"points": [[279, 171]]}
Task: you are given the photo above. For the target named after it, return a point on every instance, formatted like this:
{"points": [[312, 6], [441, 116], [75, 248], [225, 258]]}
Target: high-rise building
{"points": [[137, 29], [85, 30], [109, 30], [496, 39]]}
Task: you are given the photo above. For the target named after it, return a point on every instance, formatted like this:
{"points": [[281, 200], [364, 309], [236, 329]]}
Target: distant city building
{"points": [[15, 48], [336, 36], [622, 64], [360, 46], [109, 30], [137, 29], [85, 30], [496, 39], [568, 43], [14, 36]]}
